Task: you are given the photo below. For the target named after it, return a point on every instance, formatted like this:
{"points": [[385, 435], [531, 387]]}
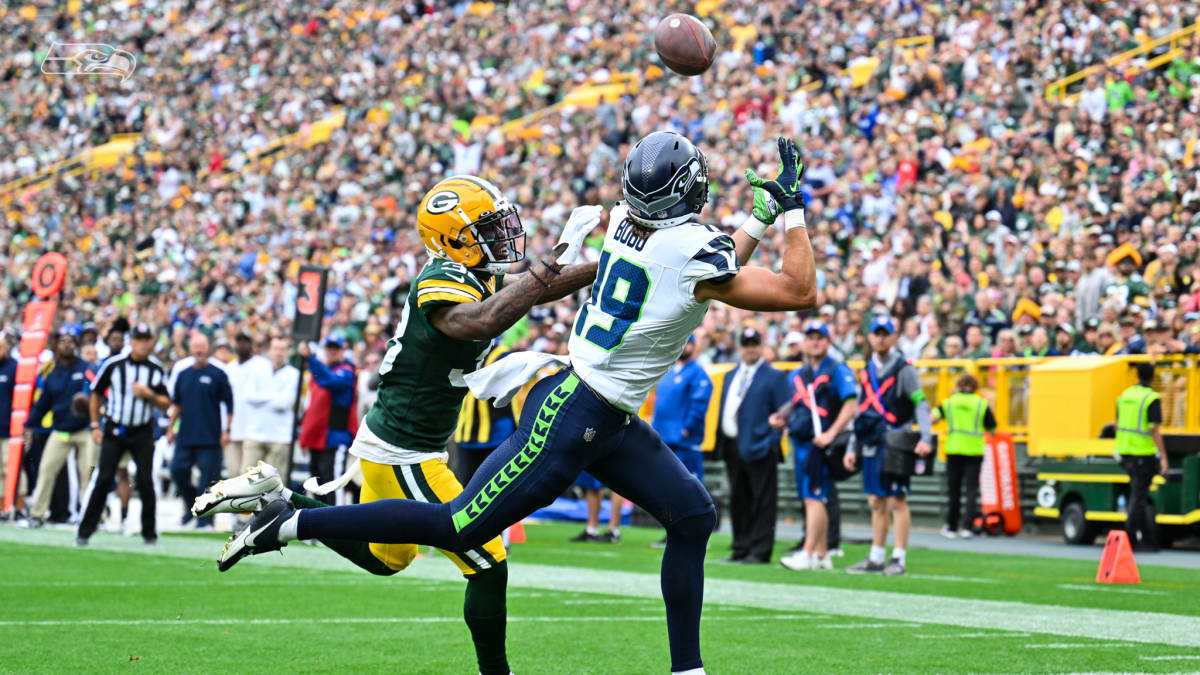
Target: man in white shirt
{"points": [[1093, 100], [270, 402], [241, 372]]}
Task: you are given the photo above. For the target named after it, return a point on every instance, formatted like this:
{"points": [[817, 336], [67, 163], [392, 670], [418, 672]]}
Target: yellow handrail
{"points": [[903, 43], [1058, 88], [583, 96], [1005, 382]]}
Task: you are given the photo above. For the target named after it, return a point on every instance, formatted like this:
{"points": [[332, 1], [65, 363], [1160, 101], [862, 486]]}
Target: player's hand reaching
{"points": [[766, 209], [583, 220], [785, 187]]}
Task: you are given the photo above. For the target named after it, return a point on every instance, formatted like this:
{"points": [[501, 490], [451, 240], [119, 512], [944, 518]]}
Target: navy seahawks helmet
{"points": [[665, 180]]}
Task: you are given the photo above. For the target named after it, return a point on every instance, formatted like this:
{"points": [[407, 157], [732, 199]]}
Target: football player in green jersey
{"points": [[459, 302]]}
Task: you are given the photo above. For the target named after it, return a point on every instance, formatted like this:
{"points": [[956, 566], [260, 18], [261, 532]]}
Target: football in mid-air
{"points": [[685, 44]]}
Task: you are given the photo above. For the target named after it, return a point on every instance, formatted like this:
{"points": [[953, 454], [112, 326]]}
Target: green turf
{"points": [[72, 610]]}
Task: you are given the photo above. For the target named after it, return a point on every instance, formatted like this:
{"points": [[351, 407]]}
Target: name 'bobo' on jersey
{"points": [[643, 306], [420, 386]]}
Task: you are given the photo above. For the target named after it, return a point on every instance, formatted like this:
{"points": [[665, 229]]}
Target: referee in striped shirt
{"points": [[133, 384]]}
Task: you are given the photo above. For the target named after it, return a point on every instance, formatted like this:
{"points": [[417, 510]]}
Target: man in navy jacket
{"points": [[199, 392], [751, 393], [69, 377], [680, 408]]}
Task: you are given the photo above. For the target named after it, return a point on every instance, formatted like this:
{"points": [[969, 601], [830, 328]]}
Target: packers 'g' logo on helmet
{"points": [[467, 220]]}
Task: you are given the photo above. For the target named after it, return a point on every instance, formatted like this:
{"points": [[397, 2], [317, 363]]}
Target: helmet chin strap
{"points": [[662, 224]]}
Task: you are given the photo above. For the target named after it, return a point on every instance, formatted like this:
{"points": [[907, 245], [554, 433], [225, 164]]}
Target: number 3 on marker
{"points": [[310, 286]]}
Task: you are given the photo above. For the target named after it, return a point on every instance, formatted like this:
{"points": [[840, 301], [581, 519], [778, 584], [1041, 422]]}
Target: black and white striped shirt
{"points": [[117, 375]]}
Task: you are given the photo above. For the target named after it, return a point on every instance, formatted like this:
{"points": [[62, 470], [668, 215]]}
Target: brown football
{"points": [[684, 44]]}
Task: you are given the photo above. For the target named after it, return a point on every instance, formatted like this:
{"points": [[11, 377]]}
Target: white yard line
{"points": [[1109, 588], [1077, 645], [955, 636], [368, 620], [1177, 657], [948, 577], [1080, 622]]}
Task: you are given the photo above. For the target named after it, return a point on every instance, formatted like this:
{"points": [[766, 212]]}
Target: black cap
{"points": [[1145, 372], [750, 336], [141, 331], [1091, 324]]}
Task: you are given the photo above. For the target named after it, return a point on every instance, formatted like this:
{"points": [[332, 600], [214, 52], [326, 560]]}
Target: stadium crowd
{"points": [[943, 187]]}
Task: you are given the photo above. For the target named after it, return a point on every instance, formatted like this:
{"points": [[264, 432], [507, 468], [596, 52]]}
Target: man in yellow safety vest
{"points": [[1139, 439], [967, 417]]}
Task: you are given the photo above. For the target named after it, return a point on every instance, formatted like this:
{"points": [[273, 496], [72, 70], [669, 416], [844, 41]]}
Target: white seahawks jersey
{"points": [[643, 306]]}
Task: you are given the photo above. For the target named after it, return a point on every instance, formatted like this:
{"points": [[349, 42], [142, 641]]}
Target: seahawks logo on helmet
{"points": [[442, 202], [665, 180]]}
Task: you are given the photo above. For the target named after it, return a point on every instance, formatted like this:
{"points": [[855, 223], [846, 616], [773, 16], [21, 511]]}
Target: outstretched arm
{"points": [[485, 320], [756, 288], [763, 215], [569, 280]]}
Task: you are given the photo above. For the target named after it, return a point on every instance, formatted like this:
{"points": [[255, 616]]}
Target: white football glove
{"points": [[583, 220]]}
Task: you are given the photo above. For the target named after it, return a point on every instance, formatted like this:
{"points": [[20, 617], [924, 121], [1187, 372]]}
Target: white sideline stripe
{"points": [[1081, 622], [1107, 588], [950, 577], [358, 619], [1178, 657], [1077, 645], [955, 636]]}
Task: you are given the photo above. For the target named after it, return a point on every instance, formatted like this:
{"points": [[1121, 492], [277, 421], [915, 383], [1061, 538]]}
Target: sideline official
{"points": [[967, 417], [1139, 438], [823, 404], [135, 384]]}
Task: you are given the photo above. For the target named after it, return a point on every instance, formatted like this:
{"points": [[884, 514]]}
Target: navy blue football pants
{"points": [[565, 429]]}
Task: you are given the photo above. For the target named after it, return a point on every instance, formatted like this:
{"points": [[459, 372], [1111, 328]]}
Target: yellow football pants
{"points": [[430, 481]]}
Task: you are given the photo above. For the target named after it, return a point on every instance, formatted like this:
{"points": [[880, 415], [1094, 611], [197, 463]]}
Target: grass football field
{"points": [[117, 606]]}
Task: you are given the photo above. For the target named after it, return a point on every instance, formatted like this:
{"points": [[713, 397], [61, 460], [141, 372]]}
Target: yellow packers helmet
{"points": [[467, 220]]}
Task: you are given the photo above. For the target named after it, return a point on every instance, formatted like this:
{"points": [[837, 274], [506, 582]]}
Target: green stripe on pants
{"points": [[523, 459]]}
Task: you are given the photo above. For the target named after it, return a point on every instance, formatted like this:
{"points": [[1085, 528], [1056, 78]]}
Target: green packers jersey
{"points": [[421, 387]]}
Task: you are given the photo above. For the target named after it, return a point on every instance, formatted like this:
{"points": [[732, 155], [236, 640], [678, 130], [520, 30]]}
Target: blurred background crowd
{"points": [[943, 186]]}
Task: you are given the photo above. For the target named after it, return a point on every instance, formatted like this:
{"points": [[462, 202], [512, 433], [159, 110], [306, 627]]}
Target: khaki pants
{"points": [[274, 454], [54, 456], [22, 484], [232, 453]]}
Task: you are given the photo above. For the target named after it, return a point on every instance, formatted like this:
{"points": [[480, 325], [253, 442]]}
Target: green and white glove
{"points": [[785, 187], [766, 209]]}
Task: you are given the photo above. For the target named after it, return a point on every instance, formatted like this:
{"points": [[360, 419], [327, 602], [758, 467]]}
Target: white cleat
{"points": [[246, 493], [797, 561], [822, 563]]}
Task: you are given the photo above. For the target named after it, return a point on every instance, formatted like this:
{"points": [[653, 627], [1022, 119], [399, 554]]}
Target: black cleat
{"points": [[260, 536]]}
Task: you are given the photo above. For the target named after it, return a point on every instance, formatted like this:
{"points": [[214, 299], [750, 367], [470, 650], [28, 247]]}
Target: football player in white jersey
{"points": [[658, 272]]}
